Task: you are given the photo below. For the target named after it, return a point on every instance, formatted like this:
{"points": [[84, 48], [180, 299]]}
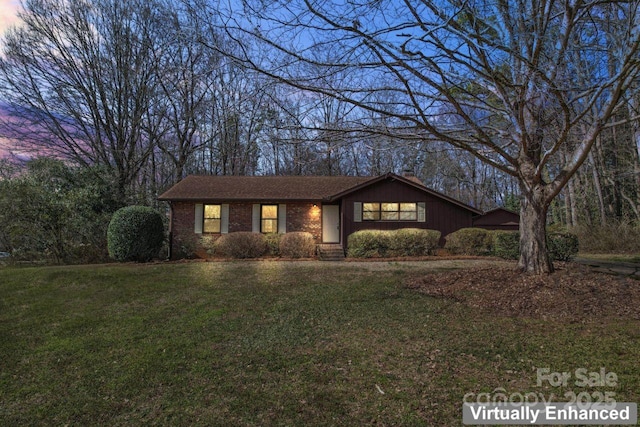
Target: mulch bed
{"points": [[573, 292]]}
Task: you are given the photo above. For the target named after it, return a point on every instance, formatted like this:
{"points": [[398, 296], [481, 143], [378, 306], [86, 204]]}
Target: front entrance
{"points": [[330, 224]]}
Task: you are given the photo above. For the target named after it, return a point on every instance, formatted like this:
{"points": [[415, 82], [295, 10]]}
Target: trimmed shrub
{"points": [[135, 233], [297, 244], [470, 241], [506, 244], [413, 242], [562, 246], [368, 244], [273, 243], [241, 244]]}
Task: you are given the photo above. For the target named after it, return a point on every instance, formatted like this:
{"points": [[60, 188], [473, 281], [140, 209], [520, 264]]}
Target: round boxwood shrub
{"points": [[242, 244], [368, 244], [297, 244], [413, 242], [135, 233], [470, 241]]}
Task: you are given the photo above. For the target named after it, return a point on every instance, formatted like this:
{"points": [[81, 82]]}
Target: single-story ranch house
{"points": [[328, 207]]}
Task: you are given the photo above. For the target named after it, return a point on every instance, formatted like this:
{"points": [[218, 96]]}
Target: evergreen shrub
{"points": [[368, 244], [135, 233], [470, 241], [413, 242]]}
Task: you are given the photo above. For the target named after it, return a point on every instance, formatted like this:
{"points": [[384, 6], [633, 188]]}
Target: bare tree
{"points": [[186, 76], [80, 76], [493, 78]]}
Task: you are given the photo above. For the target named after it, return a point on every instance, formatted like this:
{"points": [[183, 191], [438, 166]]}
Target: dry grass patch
{"points": [[573, 292]]}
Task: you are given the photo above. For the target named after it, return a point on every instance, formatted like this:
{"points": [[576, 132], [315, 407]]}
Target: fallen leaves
{"points": [[573, 292]]}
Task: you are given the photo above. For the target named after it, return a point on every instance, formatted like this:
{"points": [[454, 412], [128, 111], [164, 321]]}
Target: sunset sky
{"points": [[7, 18], [7, 13]]}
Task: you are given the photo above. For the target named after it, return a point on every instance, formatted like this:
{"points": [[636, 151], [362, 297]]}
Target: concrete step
{"points": [[330, 253]]}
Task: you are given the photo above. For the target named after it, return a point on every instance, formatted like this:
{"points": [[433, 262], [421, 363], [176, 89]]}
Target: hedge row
{"points": [[397, 243], [506, 244], [403, 242], [254, 245]]}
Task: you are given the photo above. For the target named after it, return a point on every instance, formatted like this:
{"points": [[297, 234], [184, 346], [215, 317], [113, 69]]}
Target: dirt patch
{"points": [[573, 292]]}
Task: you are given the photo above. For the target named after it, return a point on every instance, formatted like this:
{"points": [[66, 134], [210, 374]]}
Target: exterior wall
{"points": [[440, 214], [304, 217], [498, 219], [183, 239], [185, 242], [240, 217]]}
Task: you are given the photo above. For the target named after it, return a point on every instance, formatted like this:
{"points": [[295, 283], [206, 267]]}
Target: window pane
{"points": [[409, 216], [269, 211], [212, 211], [389, 207], [370, 216], [408, 207], [370, 207], [389, 216], [211, 225], [269, 225]]}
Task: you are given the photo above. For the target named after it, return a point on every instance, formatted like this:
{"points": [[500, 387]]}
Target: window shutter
{"points": [[255, 218], [422, 212], [197, 225], [357, 211], [282, 218], [224, 219]]}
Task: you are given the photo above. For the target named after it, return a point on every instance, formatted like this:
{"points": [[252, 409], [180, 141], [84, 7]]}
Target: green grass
{"points": [[272, 343]]}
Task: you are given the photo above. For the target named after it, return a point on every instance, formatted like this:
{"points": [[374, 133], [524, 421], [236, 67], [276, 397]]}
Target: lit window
{"points": [[408, 211], [269, 218], [211, 220], [371, 211], [389, 211]]}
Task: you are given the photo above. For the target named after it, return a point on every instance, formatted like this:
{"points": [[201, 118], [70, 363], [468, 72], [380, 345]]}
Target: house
{"points": [[498, 219], [329, 207]]}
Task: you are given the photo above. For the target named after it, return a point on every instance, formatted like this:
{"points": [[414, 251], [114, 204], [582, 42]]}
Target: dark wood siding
{"points": [[441, 215], [498, 219]]}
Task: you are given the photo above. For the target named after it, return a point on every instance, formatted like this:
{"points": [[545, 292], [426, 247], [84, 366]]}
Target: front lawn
{"points": [[276, 343]]}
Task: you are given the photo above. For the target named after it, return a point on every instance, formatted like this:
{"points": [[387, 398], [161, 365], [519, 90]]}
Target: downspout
{"points": [[170, 251]]}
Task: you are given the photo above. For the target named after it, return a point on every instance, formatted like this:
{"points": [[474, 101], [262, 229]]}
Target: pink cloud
{"points": [[8, 11]]}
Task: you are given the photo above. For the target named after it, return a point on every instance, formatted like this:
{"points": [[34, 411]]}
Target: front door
{"points": [[330, 224]]}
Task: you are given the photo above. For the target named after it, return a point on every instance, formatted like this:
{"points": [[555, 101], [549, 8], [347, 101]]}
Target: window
{"points": [[211, 219], [408, 211], [371, 211], [389, 211], [269, 218]]}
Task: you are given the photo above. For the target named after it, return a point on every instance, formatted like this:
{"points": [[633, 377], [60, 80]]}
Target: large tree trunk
{"points": [[534, 257]]}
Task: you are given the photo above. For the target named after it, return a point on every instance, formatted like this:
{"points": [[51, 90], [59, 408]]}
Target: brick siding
{"points": [[185, 242]]}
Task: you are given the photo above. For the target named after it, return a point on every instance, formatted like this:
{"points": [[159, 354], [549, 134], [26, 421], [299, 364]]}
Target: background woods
{"points": [[133, 96]]}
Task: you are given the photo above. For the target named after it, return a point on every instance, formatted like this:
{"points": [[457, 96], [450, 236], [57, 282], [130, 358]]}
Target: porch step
{"points": [[330, 253]]}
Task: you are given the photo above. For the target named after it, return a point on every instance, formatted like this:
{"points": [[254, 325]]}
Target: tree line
{"points": [[496, 104]]}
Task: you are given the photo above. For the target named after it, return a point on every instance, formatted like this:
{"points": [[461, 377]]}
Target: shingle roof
{"points": [[260, 188], [211, 188]]}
